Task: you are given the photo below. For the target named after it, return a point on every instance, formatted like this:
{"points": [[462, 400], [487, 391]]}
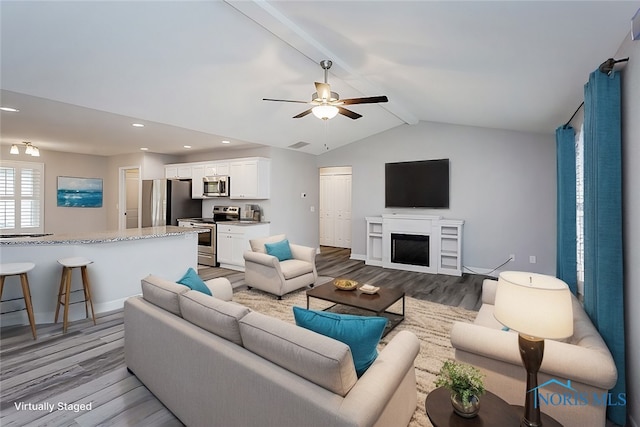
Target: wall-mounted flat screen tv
{"points": [[419, 184]]}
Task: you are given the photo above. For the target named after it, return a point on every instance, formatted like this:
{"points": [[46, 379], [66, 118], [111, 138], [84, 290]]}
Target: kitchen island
{"points": [[120, 259]]}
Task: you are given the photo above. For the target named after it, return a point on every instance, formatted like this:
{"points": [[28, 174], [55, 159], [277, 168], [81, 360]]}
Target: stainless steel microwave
{"points": [[216, 186]]}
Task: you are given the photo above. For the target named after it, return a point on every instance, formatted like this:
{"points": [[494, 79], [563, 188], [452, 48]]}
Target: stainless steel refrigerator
{"points": [[164, 201]]}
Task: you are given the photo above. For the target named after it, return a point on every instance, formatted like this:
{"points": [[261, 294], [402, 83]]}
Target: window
{"points": [[21, 197], [580, 208]]}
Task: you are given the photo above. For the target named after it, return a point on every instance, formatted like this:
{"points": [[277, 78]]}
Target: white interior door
{"points": [[129, 205], [335, 207], [327, 216], [342, 203]]}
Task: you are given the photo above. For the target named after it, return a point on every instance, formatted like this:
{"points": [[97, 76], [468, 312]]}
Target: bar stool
{"points": [[68, 264], [20, 269]]}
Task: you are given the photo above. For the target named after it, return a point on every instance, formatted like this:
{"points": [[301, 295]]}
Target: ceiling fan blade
{"points": [[366, 100], [284, 100], [351, 114], [304, 113], [323, 90]]}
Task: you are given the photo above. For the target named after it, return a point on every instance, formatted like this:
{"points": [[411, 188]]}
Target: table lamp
{"points": [[537, 307]]}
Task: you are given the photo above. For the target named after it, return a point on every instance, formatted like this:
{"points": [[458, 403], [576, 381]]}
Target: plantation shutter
{"points": [[21, 197]]}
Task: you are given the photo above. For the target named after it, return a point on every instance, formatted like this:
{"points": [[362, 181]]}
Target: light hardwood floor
{"points": [[87, 363]]}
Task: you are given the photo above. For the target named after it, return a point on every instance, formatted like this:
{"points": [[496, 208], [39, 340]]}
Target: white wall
{"points": [[503, 185], [293, 173], [631, 218]]}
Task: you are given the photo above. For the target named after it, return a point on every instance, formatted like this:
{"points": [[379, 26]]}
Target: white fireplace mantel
{"points": [[445, 241]]}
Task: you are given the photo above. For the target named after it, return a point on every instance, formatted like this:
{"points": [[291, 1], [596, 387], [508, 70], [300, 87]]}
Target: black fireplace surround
{"points": [[411, 249]]}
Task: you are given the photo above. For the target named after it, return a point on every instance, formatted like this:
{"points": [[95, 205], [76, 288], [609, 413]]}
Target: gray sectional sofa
{"points": [[217, 363]]}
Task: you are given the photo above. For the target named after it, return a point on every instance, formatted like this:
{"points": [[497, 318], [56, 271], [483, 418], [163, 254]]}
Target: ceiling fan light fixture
{"points": [[14, 149], [320, 98], [328, 103], [325, 112]]}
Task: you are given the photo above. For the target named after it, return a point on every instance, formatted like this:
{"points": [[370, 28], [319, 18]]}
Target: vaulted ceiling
{"points": [[195, 72]]}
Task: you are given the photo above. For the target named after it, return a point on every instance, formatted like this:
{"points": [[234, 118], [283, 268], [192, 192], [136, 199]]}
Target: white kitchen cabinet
{"points": [[197, 185], [217, 168], [230, 247], [222, 168], [177, 171], [250, 178], [233, 241]]}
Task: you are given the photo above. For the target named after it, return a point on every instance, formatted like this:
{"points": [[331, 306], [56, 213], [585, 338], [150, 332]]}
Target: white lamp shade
{"points": [[534, 305], [14, 149], [325, 112]]}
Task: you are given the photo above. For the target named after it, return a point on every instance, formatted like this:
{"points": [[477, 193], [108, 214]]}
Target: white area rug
{"points": [[431, 323]]}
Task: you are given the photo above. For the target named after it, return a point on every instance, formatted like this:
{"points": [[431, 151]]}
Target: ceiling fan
{"points": [[328, 104]]}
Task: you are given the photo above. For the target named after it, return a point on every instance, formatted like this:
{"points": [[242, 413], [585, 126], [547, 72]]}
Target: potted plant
{"points": [[465, 384]]}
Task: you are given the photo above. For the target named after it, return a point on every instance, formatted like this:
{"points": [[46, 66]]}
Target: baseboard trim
{"points": [[358, 257]]}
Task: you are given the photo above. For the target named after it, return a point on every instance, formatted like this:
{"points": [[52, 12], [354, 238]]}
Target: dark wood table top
{"points": [[377, 302], [493, 412]]}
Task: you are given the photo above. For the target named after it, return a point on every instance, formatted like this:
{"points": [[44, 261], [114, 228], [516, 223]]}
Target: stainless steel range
{"points": [[207, 240]]}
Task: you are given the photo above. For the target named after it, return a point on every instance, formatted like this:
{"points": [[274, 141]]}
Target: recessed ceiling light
{"points": [[186, 146], [144, 149], [9, 109], [226, 142], [137, 125]]}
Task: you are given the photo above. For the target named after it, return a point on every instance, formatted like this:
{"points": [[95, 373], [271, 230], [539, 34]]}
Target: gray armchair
{"points": [[265, 272]]}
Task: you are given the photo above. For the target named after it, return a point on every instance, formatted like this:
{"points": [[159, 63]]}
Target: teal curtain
{"points": [[603, 245], [566, 251]]}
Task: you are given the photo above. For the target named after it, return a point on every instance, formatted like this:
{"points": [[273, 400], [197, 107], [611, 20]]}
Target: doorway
{"points": [[335, 206], [129, 204]]}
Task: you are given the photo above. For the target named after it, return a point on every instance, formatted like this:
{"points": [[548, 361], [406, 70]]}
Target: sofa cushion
{"points": [[215, 315], [486, 318], [319, 359], [280, 250], [257, 245], [193, 281], [294, 268], [361, 333], [163, 293]]}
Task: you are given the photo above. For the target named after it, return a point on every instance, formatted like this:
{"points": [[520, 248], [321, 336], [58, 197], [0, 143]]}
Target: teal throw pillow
{"points": [[360, 333], [280, 250], [193, 281]]}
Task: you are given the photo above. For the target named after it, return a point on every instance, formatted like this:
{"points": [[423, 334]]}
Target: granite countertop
{"points": [[101, 236]]}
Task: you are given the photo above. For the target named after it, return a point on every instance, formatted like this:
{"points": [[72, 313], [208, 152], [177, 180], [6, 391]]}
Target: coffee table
{"points": [[377, 303]]}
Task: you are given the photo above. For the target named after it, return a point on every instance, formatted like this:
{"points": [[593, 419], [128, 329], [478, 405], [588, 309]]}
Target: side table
{"points": [[493, 412]]}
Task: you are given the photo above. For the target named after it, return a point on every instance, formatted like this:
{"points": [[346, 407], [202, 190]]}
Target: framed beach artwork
{"points": [[76, 192]]}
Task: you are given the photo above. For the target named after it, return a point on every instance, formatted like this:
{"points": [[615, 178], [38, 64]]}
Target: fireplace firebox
{"points": [[412, 249]]}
